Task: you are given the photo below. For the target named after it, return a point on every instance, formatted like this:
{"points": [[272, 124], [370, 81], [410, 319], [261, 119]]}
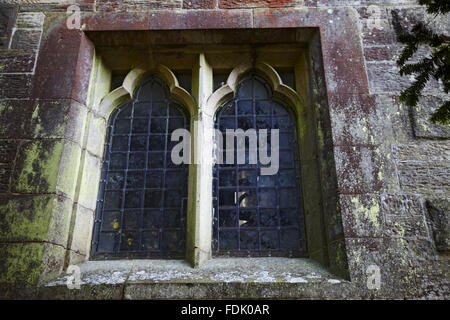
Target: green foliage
{"points": [[437, 65]]}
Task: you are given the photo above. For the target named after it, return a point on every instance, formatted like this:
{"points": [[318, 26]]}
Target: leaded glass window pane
{"points": [[254, 214], [141, 209]]}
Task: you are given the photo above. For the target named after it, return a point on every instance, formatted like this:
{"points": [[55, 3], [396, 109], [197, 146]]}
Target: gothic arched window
{"points": [[256, 214], [141, 208]]}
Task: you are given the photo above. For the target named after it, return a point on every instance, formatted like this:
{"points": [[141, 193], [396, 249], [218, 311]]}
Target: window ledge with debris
{"points": [[221, 278]]}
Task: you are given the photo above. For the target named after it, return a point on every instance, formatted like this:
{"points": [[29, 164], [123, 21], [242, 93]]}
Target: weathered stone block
{"points": [[37, 166], [408, 227], [15, 85], [230, 4], [384, 77], [8, 150], [64, 72], [59, 119], [361, 216], [15, 116], [439, 218], [16, 61], [199, 4], [351, 118], [375, 27], [357, 169], [392, 256], [425, 151], [401, 204], [20, 264], [82, 232], [25, 39], [5, 175], [423, 128], [424, 176], [25, 218], [7, 18], [30, 20], [96, 136], [137, 5], [89, 182], [52, 262]]}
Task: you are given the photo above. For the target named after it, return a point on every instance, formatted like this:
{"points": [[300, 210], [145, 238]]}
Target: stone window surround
{"points": [[199, 217], [82, 61]]}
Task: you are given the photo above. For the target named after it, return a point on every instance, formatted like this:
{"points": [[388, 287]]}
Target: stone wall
{"points": [[392, 164]]}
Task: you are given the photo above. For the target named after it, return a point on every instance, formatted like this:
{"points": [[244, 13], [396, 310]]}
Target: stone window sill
{"points": [[221, 278]]}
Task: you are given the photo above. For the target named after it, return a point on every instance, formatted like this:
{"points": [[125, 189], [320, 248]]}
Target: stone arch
{"points": [[279, 89], [134, 78]]}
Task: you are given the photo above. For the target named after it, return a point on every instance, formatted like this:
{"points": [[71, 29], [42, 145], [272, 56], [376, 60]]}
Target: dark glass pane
{"points": [[119, 143], [154, 179], [288, 217], [129, 242], [245, 107], [158, 125], [135, 179], [138, 143], [150, 240], [263, 123], [171, 218], [136, 160], [269, 239], [249, 240], [157, 142], [152, 199], [118, 161], [227, 198], [152, 219], [133, 195], [115, 180], [142, 109], [159, 109], [227, 178], [140, 126], [122, 126], [111, 221], [248, 218], [173, 178], [260, 90], [252, 210], [245, 89], [113, 200], [267, 198], [245, 123], [248, 177], [172, 198], [247, 198], [269, 218], [125, 111], [131, 219], [227, 218], [133, 199], [227, 123], [156, 159], [171, 240], [106, 242], [263, 107], [228, 240]]}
